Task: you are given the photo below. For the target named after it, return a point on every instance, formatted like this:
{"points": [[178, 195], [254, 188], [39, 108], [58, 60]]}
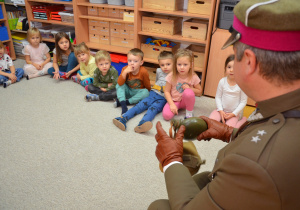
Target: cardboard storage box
{"points": [[94, 38], [113, 12], [103, 12], [104, 31], [162, 24], [171, 5], [202, 7], [94, 29], [123, 42], [104, 39], [198, 52], [129, 26], [126, 34], [152, 51], [93, 23], [117, 25], [194, 28], [93, 11], [115, 32], [128, 16]]}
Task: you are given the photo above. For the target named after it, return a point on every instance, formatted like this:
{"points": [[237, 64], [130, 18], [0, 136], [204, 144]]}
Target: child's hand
{"points": [[129, 69], [78, 77], [42, 66], [174, 109], [229, 115], [68, 74], [109, 84], [12, 78], [56, 75], [223, 114], [37, 66], [103, 89], [185, 86]]}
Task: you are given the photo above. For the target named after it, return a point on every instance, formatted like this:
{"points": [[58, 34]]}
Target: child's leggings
{"points": [[72, 63], [19, 74], [233, 122], [32, 72], [187, 102]]}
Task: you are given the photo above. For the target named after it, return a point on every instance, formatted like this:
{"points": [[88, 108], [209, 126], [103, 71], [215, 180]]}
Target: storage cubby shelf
{"points": [[182, 13]]}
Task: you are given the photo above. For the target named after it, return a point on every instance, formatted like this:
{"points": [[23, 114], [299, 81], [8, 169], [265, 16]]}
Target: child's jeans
{"points": [[19, 74], [233, 122], [72, 63], [154, 104], [187, 102], [133, 95]]}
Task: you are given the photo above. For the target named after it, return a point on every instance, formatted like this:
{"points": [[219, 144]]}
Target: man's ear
{"points": [[250, 62]]}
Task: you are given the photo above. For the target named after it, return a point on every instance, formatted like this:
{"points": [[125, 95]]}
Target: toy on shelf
{"points": [[159, 42]]}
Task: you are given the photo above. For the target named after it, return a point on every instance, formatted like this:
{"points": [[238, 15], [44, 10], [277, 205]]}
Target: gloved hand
{"points": [[216, 130], [168, 149]]}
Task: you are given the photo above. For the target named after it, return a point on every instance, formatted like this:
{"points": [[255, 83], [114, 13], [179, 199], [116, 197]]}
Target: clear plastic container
{"points": [[98, 1], [67, 16], [45, 31], [116, 2], [129, 3]]}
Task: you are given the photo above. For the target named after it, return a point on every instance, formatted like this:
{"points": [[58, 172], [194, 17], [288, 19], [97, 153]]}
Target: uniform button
{"points": [[275, 121]]}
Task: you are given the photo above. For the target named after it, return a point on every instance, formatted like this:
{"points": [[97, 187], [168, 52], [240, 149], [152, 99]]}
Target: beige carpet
{"points": [[59, 152]]}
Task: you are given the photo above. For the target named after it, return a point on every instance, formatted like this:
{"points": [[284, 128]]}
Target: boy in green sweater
{"points": [[105, 79]]}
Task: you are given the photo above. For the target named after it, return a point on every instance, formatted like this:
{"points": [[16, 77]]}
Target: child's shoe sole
{"points": [[119, 124], [87, 99], [144, 127]]}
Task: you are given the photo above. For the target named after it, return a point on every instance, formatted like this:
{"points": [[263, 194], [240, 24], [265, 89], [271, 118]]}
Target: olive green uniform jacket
{"points": [[259, 169]]}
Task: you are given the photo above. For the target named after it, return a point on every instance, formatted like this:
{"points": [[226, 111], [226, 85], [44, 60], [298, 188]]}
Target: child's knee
{"points": [[144, 93], [188, 93], [167, 115]]}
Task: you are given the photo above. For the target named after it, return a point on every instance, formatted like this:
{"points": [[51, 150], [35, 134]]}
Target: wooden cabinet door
{"points": [[216, 62]]}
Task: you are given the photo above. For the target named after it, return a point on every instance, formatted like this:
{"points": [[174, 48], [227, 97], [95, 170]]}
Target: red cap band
{"points": [[268, 40]]}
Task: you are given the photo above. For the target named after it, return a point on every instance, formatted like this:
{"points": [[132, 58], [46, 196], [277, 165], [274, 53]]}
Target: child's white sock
{"points": [[188, 114], [7, 83]]}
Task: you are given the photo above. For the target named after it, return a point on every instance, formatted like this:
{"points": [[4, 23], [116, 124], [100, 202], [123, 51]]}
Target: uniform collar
{"points": [[279, 104]]}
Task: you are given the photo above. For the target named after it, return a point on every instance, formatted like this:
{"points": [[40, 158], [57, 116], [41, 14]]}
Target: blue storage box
{"points": [[118, 61], [3, 33], [1, 13]]}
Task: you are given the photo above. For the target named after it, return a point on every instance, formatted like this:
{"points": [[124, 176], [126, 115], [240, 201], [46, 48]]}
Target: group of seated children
{"points": [[175, 86]]}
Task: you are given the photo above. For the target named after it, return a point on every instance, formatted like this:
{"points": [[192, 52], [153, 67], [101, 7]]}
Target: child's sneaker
{"points": [[86, 88], [7, 83], [116, 103], [91, 97], [120, 122], [146, 126]]}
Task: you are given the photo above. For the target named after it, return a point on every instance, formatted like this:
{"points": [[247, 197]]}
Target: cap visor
{"points": [[235, 36]]}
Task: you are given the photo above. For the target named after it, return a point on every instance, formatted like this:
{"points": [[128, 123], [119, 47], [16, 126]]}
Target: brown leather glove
{"points": [[168, 149], [216, 130]]}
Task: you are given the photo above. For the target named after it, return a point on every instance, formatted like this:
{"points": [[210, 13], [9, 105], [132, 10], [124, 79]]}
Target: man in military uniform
{"points": [[259, 168]]}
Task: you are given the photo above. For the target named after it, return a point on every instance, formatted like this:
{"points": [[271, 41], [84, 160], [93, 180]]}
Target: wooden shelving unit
{"points": [[8, 42], [140, 11], [29, 3]]}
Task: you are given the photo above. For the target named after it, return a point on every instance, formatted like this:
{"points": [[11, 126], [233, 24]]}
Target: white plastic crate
{"points": [[129, 3], [98, 1], [116, 2]]}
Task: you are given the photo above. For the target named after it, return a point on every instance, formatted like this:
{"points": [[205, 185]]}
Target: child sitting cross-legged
{"points": [[133, 82], [87, 65], [155, 102], [105, 79], [8, 73]]}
